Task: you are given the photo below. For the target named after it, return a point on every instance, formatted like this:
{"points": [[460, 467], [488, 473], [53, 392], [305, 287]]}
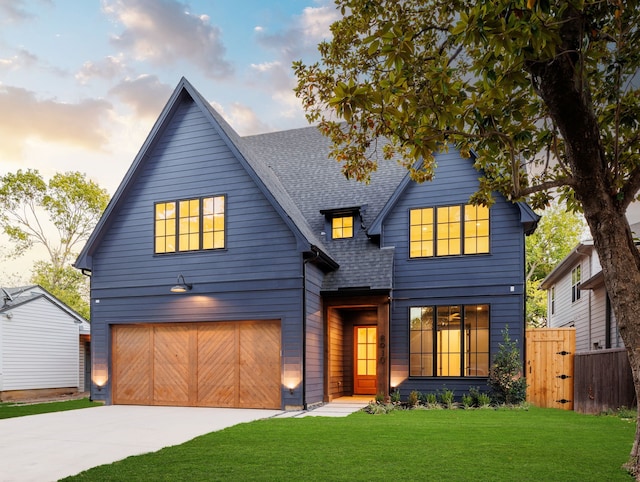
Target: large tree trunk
{"points": [[620, 263], [566, 93]]}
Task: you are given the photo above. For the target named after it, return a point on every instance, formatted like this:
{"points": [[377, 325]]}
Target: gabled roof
{"points": [[265, 179], [300, 159], [22, 295], [583, 249]]}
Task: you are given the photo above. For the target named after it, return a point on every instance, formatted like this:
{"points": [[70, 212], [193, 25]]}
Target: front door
{"points": [[365, 360]]}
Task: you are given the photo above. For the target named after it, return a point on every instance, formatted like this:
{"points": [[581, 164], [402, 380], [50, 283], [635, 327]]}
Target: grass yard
{"points": [[16, 409], [477, 445]]}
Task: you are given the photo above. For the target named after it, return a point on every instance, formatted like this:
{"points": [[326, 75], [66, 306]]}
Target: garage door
{"points": [[235, 364]]}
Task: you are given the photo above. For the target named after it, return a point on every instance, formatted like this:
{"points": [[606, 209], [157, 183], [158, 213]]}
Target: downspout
{"points": [[589, 311], [607, 322]]}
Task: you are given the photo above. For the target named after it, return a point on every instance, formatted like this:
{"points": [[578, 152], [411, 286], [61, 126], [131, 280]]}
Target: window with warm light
{"points": [[190, 225], [448, 231], [342, 227], [449, 341]]}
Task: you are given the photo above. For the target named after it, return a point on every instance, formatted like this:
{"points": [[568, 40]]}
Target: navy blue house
{"points": [[234, 271]]}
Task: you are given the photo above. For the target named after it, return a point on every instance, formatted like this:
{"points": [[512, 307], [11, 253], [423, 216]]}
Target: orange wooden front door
{"points": [[365, 360]]}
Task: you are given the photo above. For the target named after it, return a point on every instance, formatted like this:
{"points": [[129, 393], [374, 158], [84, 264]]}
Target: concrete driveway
{"points": [[50, 446]]}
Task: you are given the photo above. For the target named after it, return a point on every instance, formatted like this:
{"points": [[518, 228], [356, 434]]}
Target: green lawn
{"points": [[16, 409], [468, 445]]}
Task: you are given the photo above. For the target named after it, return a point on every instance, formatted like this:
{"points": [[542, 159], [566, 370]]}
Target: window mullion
{"points": [[462, 340]]}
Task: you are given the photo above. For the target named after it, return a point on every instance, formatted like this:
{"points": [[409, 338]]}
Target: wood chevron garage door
{"points": [[231, 364]]}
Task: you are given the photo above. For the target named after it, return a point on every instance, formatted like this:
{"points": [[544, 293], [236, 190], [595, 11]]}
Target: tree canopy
{"points": [[558, 232], [545, 92], [59, 215], [425, 74]]}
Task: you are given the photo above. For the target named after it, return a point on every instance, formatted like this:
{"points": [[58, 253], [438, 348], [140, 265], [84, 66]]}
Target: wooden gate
{"points": [[549, 367]]}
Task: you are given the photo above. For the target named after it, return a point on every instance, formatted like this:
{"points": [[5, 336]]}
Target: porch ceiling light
{"points": [[181, 287]]}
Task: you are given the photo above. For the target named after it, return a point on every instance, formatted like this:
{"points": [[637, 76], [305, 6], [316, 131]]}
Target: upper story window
{"points": [[190, 225], [342, 227], [343, 223], [553, 300], [448, 231], [575, 284]]}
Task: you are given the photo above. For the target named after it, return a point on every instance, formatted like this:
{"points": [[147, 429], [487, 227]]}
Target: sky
{"points": [[82, 82]]}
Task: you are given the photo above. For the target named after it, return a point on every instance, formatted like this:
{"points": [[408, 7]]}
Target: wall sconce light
{"points": [[291, 390], [181, 287]]}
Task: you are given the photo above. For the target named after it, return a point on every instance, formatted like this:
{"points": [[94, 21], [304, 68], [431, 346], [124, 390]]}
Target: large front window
{"points": [[449, 341], [448, 231], [189, 225]]}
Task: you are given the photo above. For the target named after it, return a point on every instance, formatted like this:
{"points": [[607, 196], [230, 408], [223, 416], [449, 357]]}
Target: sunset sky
{"points": [[81, 82]]}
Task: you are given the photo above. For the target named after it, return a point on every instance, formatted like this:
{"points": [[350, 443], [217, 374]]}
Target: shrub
{"points": [[481, 400], [484, 400], [467, 401], [447, 398], [431, 400], [505, 377], [414, 398], [395, 396]]}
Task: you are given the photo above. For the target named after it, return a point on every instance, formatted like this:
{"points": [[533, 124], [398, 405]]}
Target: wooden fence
{"points": [[549, 367], [603, 381]]}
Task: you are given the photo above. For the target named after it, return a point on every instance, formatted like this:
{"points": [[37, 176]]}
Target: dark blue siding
{"points": [[314, 359], [496, 278], [257, 276]]}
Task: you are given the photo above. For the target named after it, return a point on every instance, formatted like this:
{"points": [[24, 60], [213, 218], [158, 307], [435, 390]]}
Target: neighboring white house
{"points": [[44, 344]]}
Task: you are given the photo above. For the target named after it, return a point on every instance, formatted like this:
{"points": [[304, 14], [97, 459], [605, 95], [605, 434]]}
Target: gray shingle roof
{"points": [[300, 160]]}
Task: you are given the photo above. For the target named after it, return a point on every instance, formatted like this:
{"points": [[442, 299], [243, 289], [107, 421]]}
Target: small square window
{"points": [[342, 227]]}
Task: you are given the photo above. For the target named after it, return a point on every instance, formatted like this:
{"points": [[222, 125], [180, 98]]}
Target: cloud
{"points": [[25, 117], [13, 11], [22, 59], [108, 68], [163, 31], [306, 31], [145, 94], [242, 118]]}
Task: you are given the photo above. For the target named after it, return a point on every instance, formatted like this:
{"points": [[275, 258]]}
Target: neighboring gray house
{"points": [[576, 297], [44, 345], [248, 272]]}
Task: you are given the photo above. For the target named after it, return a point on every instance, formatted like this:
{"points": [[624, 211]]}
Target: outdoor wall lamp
{"points": [[181, 287]]}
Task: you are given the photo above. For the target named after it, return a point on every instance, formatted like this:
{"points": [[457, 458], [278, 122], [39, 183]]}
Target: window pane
{"points": [[183, 242], [160, 245], [415, 366], [371, 367], [184, 209], [218, 240], [362, 350], [362, 367], [207, 241], [371, 335], [476, 229], [415, 341], [207, 223], [421, 232], [164, 227]]}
